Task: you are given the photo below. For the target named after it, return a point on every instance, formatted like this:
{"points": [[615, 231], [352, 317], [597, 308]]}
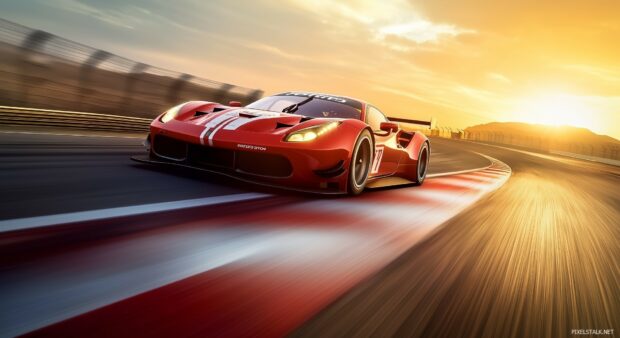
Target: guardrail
{"points": [[40, 69], [18, 116]]}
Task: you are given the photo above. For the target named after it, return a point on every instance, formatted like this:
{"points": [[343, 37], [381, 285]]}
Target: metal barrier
{"points": [[42, 70], [18, 116]]}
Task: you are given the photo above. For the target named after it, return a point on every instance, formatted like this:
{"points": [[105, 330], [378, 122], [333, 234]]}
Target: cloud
{"points": [[124, 15], [274, 51], [422, 31], [606, 74], [382, 20], [446, 102], [499, 78], [120, 18]]}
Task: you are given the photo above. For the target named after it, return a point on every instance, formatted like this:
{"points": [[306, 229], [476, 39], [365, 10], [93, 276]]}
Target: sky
{"points": [[461, 62]]}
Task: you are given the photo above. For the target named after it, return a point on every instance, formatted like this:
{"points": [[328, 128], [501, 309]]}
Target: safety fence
{"points": [[59, 119], [42, 70]]}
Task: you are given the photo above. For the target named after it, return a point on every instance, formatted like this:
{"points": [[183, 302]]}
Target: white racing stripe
{"points": [[237, 123], [210, 137], [91, 215], [243, 120], [231, 121], [202, 136], [215, 122]]}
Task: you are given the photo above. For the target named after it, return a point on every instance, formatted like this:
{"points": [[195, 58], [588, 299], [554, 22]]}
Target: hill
{"points": [[547, 138]]}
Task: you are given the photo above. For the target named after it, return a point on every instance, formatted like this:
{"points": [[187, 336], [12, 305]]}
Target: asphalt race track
{"points": [[537, 258], [525, 246], [49, 174]]}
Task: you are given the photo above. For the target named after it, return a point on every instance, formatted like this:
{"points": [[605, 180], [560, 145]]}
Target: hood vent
{"points": [[283, 125], [305, 118], [200, 113], [250, 116], [215, 110]]}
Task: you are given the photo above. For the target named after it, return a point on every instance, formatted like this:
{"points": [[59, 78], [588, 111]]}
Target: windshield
{"points": [[319, 106]]}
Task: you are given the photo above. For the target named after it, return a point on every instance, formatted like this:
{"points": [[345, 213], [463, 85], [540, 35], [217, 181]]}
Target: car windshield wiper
{"points": [[293, 108]]}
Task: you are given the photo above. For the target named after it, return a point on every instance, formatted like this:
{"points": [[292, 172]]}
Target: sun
{"points": [[556, 109]]}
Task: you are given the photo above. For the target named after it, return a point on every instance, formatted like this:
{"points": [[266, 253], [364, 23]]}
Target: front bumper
{"points": [[286, 166], [156, 161]]}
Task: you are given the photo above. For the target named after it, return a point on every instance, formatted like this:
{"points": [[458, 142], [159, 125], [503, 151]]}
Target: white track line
{"points": [[74, 135], [552, 155], [134, 210], [449, 173]]}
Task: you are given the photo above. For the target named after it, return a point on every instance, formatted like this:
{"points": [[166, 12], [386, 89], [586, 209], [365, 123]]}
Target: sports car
{"points": [[296, 140]]}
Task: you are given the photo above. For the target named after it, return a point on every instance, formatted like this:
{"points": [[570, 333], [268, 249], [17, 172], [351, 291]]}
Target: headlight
{"points": [[309, 134], [171, 113]]}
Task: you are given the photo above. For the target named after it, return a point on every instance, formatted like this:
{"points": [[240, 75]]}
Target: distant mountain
{"points": [[539, 129], [542, 137]]}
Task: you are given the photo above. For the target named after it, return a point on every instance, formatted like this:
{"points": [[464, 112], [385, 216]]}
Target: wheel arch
{"points": [[355, 191]]}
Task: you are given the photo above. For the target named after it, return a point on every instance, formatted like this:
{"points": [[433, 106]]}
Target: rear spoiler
{"points": [[430, 124]]}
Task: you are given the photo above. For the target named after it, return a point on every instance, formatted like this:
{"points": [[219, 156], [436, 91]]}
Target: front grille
{"points": [[206, 156], [221, 159], [263, 164], [170, 148]]}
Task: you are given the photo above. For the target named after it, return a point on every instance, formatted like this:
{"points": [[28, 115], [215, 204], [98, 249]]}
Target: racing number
{"points": [[376, 163]]}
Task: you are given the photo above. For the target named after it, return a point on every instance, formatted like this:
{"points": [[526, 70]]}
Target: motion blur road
{"points": [[537, 258], [255, 261]]}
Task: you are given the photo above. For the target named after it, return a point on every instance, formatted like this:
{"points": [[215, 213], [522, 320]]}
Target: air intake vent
{"points": [[305, 118], [201, 113], [283, 125]]}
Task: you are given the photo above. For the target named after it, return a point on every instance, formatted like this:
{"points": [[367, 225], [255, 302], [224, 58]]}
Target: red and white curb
{"points": [[261, 273]]}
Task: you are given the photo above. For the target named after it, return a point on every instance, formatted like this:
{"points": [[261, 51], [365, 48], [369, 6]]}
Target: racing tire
{"points": [[422, 167], [361, 161]]}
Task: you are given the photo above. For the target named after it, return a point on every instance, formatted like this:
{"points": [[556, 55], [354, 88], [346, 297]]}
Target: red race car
{"points": [[295, 140]]}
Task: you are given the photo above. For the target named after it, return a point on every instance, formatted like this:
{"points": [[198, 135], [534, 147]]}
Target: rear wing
{"points": [[430, 124]]}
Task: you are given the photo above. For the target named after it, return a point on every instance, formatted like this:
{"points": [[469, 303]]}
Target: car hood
{"points": [[245, 119]]}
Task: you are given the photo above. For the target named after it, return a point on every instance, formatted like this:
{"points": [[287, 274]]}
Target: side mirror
{"points": [[390, 127], [234, 104]]}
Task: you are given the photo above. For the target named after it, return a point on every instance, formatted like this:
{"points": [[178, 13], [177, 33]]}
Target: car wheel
{"points": [[422, 167], [361, 160]]}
